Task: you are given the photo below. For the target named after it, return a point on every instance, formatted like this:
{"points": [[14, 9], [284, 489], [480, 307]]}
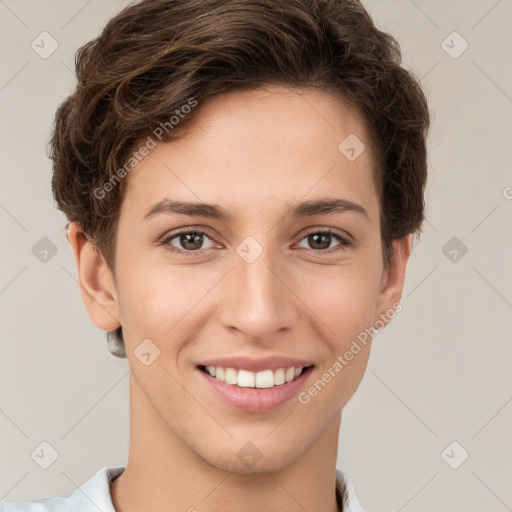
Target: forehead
{"points": [[275, 143]]}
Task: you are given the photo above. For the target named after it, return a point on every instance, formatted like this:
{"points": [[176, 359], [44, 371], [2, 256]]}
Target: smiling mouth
{"points": [[261, 380]]}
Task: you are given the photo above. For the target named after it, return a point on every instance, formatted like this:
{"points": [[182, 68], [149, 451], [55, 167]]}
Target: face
{"points": [[276, 281]]}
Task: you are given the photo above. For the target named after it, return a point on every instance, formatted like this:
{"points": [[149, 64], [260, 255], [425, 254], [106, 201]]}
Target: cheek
{"points": [[344, 301], [161, 301], [144, 295]]}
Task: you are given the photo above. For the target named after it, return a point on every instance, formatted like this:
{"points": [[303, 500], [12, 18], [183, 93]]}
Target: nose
{"points": [[258, 299]]}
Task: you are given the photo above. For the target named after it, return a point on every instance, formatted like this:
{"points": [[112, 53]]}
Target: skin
{"points": [[255, 154]]}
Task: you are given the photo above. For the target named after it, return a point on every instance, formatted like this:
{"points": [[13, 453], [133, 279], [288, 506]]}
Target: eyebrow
{"points": [[213, 211]]}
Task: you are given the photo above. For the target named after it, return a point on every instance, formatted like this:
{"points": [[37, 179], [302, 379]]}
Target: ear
{"points": [[392, 282], [96, 281]]}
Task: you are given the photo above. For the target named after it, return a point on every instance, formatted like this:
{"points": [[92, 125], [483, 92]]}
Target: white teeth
{"points": [[290, 374], [245, 379], [248, 379], [220, 373], [231, 376], [265, 379], [279, 377]]}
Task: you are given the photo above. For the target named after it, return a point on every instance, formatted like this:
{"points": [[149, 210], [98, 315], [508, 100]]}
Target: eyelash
{"points": [[344, 241]]}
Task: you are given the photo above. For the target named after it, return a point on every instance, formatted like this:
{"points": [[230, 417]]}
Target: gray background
{"points": [[440, 372]]}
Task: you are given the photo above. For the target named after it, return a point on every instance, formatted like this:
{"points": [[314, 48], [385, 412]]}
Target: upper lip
{"points": [[257, 365]]}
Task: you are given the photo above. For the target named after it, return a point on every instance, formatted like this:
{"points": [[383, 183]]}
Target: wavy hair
{"points": [[155, 55]]}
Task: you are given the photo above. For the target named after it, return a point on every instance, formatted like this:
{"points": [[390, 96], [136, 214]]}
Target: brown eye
{"points": [[187, 241], [321, 241], [191, 241]]}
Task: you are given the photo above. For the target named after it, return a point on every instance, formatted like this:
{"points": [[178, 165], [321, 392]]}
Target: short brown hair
{"points": [[156, 55]]}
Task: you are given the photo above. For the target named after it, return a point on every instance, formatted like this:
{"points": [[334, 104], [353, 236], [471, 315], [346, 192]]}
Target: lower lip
{"points": [[256, 399]]}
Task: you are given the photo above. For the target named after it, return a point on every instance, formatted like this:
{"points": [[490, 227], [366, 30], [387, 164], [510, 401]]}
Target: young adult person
{"points": [[242, 181]]}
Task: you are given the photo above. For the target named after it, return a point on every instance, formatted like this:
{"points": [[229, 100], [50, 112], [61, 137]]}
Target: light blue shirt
{"points": [[94, 496]]}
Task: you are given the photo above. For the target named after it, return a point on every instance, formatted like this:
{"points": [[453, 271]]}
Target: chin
{"points": [[249, 459]]}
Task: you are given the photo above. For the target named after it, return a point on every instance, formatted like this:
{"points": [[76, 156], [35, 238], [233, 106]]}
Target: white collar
{"points": [[345, 489], [94, 495]]}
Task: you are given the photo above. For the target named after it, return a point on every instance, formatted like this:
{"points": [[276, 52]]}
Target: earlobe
{"points": [[393, 280], [96, 281]]}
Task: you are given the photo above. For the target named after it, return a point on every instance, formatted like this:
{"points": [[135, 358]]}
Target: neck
{"points": [[164, 473]]}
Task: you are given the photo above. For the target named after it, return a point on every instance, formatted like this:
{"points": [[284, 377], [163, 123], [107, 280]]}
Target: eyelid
{"points": [[345, 239], [331, 231], [173, 234]]}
